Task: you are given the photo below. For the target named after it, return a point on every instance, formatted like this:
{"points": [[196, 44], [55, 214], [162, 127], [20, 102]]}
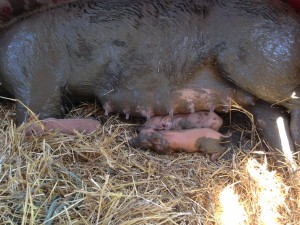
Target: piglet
{"points": [[201, 119], [65, 126], [192, 140]]}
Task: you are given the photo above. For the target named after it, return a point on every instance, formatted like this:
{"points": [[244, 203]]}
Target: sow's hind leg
{"points": [[270, 122], [293, 104], [264, 58]]}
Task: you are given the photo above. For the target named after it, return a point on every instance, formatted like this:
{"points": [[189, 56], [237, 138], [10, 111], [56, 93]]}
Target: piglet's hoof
{"points": [[192, 140], [212, 147], [65, 126]]}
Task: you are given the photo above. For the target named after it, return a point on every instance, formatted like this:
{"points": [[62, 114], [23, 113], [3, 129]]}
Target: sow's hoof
{"points": [[65, 126], [192, 140]]}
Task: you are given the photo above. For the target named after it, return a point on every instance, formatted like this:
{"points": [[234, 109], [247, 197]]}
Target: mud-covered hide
{"points": [[10, 9]]}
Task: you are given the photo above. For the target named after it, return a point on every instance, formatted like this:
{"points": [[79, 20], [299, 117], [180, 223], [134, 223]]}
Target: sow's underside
{"points": [[154, 58]]}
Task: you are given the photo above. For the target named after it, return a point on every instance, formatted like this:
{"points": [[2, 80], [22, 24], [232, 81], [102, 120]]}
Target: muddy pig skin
{"points": [[201, 119], [11, 10], [192, 140], [146, 58]]}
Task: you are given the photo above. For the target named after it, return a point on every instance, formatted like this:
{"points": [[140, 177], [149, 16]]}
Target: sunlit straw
{"points": [[285, 145], [233, 213], [269, 190]]}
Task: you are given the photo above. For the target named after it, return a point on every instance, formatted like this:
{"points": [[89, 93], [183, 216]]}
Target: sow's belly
{"points": [[206, 91]]}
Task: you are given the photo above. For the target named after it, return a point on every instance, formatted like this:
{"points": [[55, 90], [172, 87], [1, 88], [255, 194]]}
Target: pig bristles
{"points": [[100, 179]]}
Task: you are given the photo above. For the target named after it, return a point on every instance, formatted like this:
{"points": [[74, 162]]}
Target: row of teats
{"points": [[10, 9]]}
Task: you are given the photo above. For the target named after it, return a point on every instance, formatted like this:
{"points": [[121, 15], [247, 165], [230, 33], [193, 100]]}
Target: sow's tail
{"points": [[12, 10]]}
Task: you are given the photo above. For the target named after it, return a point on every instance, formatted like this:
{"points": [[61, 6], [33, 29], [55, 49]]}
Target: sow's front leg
{"points": [[46, 102], [40, 97], [47, 105], [32, 77]]}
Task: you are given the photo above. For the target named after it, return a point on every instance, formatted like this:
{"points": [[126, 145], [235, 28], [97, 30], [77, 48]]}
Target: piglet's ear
{"points": [[158, 142], [156, 138], [167, 123]]}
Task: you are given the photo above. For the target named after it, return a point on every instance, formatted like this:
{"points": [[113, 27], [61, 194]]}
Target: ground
{"points": [[100, 179]]}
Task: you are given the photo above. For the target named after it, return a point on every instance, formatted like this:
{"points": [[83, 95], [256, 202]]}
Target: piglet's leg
{"points": [[65, 126], [211, 146]]}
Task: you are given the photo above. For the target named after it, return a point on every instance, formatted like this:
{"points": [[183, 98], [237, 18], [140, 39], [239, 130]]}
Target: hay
{"points": [[100, 179]]}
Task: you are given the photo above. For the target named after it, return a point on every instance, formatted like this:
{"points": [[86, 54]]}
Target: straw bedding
{"points": [[100, 179]]}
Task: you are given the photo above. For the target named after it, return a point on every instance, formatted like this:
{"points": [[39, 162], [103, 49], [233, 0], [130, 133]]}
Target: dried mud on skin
{"points": [[100, 179]]}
